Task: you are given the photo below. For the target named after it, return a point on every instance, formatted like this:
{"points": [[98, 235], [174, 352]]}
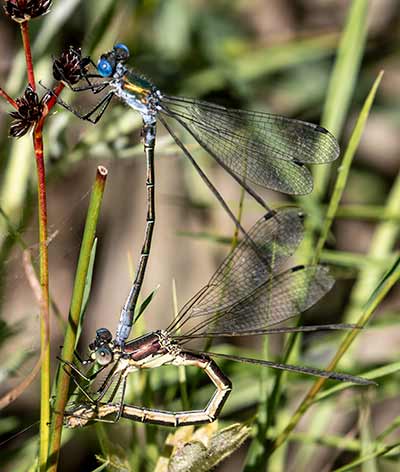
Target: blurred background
{"points": [[274, 56]]}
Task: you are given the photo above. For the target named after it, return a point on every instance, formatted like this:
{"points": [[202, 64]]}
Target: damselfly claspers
{"points": [[253, 147], [246, 296]]}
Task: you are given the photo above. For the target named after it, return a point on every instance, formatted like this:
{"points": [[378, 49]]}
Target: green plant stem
{"points": [[235, 239], [28, 55], [181, 370], [392, 427], [378, 452], [386, 370], [338, 99], [354, 260], [387, 283], [75, 313], [342, 82], [44, 285], [344, 169], [381, 247], [367, 212], [260, 62]]}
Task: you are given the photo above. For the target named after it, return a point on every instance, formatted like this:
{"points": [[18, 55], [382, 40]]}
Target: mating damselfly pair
{"points": [[248, 294]]}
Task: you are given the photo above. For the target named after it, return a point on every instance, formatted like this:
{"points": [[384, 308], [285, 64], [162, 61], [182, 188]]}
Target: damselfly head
{"points": [[101, 347], [108, 61], [103, 335]]}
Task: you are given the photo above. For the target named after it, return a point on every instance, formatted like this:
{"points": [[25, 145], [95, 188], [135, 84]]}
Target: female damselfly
{"points": [[247, 295]]}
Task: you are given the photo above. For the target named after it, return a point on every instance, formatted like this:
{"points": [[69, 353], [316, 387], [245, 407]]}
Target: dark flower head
{"points": [[23, 10], [30, 109], [70, 67]]}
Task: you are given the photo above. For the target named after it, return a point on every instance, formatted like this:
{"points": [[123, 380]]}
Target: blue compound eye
{"points": [[104, 67], [123, 48]]}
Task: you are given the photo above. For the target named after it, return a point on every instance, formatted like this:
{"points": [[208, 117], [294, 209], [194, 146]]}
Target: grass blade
{"points": [[388, 281], [76, 311], [344, 169], [343, 79]]}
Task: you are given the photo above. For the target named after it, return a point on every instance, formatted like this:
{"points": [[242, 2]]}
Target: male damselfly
{"points": [[253, 147]]}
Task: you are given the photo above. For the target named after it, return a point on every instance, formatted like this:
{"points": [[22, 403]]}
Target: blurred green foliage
{"points": [[277, 56]]}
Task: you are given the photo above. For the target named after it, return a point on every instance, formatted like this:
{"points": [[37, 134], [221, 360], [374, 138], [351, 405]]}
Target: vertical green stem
{"points": [[75, 312], [342, 82], [382, 244], [239, 218], [345, 168]]}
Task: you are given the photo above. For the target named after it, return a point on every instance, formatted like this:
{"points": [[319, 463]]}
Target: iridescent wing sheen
{"points": [[280, 298], [266, 149], [269, 243]]}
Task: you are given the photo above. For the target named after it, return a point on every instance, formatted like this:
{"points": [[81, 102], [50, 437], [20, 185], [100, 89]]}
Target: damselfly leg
{"points": [[259, 148], [247, 295]]}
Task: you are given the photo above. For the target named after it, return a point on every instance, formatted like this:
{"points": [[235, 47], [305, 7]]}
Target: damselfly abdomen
{"points": [[249, 294], [253, 147]]}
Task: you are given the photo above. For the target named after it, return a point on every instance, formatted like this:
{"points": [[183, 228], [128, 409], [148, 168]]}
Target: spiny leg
{"points": [[82, 413], [81, 374], [95, 88], [102, 105]]}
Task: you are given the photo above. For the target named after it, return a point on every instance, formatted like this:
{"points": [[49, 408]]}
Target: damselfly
{"points": [[246, 296], [253, 147]]}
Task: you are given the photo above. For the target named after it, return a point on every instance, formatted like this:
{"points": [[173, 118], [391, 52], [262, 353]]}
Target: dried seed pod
{"points": [[30, 109], [24, 10]]}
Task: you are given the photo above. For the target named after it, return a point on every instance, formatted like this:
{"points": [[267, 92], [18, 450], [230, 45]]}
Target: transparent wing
{"points": [[279, 299], [269, 243], [263, 148]]}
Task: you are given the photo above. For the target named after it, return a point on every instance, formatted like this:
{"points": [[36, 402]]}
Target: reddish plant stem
{"points": [[53, 99], [28, 55], [44, 282], [10, 100], [44, 285]]}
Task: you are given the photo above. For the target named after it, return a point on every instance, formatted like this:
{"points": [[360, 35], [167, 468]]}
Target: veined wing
{"points": [[269, 243], [266, 149], [282, 297]]}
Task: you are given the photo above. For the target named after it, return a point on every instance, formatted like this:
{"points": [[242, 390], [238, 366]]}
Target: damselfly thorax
{"points": [[249, 294], [253, 147], [136, 92]]}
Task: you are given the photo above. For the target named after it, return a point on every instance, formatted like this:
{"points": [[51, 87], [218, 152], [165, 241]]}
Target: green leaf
{"points": [[86, 291], [344, 169], [145, 304], [343, 80]]}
